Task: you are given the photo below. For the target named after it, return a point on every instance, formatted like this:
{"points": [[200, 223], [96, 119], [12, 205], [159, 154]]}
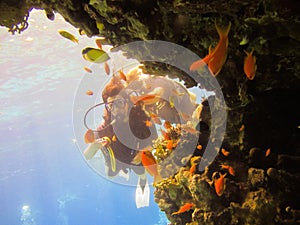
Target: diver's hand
{"points": [[99, 142], [103, 142]]}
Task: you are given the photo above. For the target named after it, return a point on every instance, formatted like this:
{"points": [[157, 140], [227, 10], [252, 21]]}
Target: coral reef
{"points": [[257, 186], [251, 196], [261, 113]]}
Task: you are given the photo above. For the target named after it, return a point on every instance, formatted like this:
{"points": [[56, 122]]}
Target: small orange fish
{"points": [[89, 92], [89, 136], [231, 171], [242, 128], [106, 68], [229, 168], [199, 147], [216, 57], [87, 69], [170, 145], [186, 207], [193, 169], [268, 152], [146, 99], [220, 184], [150, 164], [167, 125], [148, 123], [114, 138], [225, 152], [122, 75], [250, 65], [98, 43]]}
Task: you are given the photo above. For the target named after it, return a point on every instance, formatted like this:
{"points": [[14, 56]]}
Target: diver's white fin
{"points": [[142, 198]]}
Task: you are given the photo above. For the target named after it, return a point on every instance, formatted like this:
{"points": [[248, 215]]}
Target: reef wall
{"points": [[262, 113]]}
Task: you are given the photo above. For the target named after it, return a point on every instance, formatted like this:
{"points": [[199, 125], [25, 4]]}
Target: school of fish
{"points": [[216, 57]]}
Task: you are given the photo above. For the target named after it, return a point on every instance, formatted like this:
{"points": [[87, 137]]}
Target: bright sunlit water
{"points": [[44, 179]]}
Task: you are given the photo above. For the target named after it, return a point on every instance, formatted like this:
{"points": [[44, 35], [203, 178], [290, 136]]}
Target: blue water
{"points": [[44, 179]]}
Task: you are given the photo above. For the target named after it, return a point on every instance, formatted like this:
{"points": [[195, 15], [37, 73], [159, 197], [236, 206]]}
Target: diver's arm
{"points": [[92, 148]]}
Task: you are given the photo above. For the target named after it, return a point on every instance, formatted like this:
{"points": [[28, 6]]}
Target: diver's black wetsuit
{"points": [[123, 154]]}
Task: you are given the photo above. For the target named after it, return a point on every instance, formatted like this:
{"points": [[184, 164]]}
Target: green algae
{"points": [[105, 11], [136, 27]]}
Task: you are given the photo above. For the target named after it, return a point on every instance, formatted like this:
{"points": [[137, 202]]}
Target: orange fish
{"points": [[229, 168], [87, 69], [89, 136], [167, 125], [186, 207], [250, 65], [217, 56], [193, 169], [147, 99], [150, 164], [98, 43], [89, 92], [268, 152], [224, 152], [220, 184], [242, 128], [194, 162], [114, 138], [106, 68], [122, 75], [199, 147], [148, 123], [170, 145]]}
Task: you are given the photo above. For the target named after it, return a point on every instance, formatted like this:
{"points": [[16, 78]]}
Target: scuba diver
{"points": [[132, 105], [120, 122]]}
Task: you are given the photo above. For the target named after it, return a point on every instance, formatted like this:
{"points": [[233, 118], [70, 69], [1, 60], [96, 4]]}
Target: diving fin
{"points": [[142, 197]]}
